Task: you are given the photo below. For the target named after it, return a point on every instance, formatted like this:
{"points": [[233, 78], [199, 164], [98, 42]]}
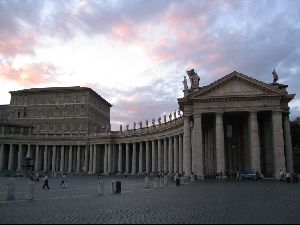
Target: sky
{"points": [[135, 53]]}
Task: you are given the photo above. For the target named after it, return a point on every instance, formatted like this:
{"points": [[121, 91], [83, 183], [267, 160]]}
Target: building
{"points": [[234, 124], [60, 110]]}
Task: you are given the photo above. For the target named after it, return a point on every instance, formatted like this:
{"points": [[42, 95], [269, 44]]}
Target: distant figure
{"points": [[46, 182], [281, 176], [63, 181]]}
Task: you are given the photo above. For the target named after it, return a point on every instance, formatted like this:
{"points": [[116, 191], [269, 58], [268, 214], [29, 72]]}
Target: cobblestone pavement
{"points": [[207, 201]]}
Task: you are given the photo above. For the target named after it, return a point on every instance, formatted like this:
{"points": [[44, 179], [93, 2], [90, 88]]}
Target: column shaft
{"points": [[187, 150], [95, 160], [86, 158], [254, 142], [220, 149], [198, 146], [141, 158], [120, 160], [288, 144], [11, 158], [171, 154], [106, 159], [153, 156], [78, 159], [166, 168], [159, 153], [278, 143], [70, 159], [53, 158], [134, 159], [147, 157], [20, 156], [180, 154], [91, 159], [62, 158], [1, 156], [176, 155], [37, 158], [46, 158], [127, 159]]}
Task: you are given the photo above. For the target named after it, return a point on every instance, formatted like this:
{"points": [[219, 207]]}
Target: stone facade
{"points": [[235, 124], [60, 110]]}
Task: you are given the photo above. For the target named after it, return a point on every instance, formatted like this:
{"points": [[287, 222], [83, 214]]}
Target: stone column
{"points": [[180, 154], [46, 158], [127, 158], [141, 158], [278, 143], [120, 160], [171, 154], [153, 156], [37, 158], [86, 159], [62, 158], [176, 154], [187, 150], [220, 149], [166, 168], [29, 151], [20, 156], [11, 157], [198, 146], [134, 159], [288, 144], [147, 157], [53, 158], [95, 159], [78, 159], [70, 159], [254, 142], [106, 159], [1, 156], [91, 159], [159, 153]]}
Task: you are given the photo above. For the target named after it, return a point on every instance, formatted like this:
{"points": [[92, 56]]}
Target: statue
{"points": [[275, 77], [153, 122], [127, 127], [175, 115], [159, 120], [194, 78], [170, 116], [179, 113], [147, 123], [121, 128], [134, 125], [141, 124], [185, 84], [165, 118]]}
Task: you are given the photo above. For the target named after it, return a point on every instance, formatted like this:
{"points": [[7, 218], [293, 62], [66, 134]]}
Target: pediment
{"points": [[236, 84]]}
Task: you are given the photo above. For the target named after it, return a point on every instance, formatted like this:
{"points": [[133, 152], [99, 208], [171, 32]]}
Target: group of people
{"points": [[288, 177], [63, 183]]}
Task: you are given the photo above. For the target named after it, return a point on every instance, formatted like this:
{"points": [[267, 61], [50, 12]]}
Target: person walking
{"points": [[281, 176], [46, 182], [63, 181]]}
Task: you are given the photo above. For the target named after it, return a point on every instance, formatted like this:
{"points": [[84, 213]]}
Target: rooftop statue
{"points": [[165, 118], [175, 115], [275, 77], [134, 125], [121, 128], [153, 122], [159, 120], [127, 127], [194, 78], [170, 116], [141, 124], [185, 84], [147, 123]]}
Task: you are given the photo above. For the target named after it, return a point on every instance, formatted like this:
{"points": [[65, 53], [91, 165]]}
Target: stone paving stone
{"points": [[201, 202]]}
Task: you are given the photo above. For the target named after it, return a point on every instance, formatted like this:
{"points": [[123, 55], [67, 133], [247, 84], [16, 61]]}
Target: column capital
{"points": [[198, 114]]}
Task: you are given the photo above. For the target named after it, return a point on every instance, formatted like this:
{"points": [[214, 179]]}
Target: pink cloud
{"points": [[29, 75]]}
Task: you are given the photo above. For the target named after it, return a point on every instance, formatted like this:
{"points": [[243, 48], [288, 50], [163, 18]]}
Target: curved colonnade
{"points": [[154, 149]]}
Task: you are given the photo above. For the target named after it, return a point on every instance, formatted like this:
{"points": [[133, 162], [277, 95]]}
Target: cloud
{"points": [[29, 75]]}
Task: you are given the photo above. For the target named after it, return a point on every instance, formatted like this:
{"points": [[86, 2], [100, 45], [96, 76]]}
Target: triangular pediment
{"points": [[236, 84]]}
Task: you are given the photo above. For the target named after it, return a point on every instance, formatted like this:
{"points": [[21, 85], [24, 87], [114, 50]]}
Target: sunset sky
{"points": [[135, 53]]}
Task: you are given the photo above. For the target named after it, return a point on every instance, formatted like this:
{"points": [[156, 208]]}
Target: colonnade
{"points": [[157, 155]]}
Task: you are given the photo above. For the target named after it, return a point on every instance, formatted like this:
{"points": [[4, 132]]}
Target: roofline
{"points": [[61, 89]]}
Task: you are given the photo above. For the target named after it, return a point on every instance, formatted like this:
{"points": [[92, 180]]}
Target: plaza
{"points": [[208, 201]]}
